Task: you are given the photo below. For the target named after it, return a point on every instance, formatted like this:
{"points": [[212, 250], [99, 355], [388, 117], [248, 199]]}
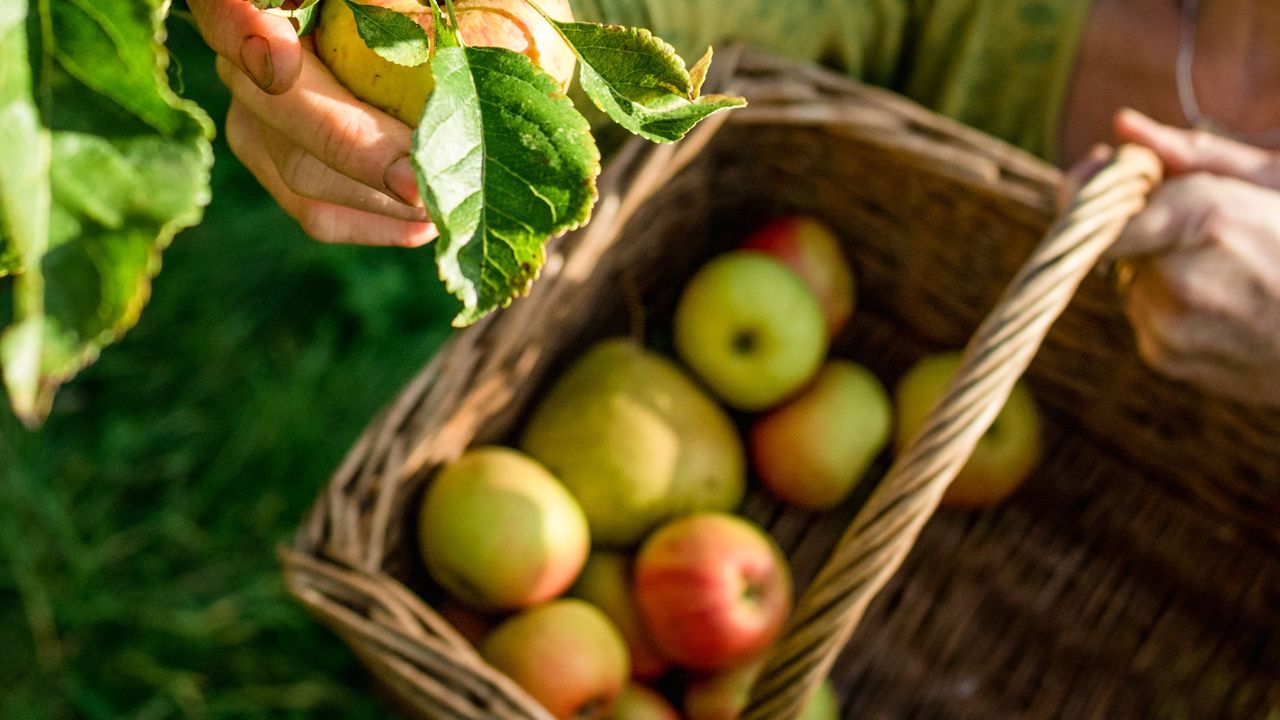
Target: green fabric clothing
{"points": [[1002, 66]]}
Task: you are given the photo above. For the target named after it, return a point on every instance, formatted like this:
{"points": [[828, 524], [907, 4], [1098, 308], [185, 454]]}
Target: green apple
{"points": [[1005, 455], [724, 695], [751, 329], [810, 248], [605, 582], [402, 91], [566, 655], [638, 702], [498, 531], [636, 442], [811, 451]]}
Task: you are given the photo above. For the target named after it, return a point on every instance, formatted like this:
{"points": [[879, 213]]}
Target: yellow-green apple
{"points": [[1004, 456], [638, 702], [499, 531], [566, 654], [636, 441], [402, 91], [811, 451], [713, 589], [810, 248], [750, 328], [605, 582], [724, 695]]}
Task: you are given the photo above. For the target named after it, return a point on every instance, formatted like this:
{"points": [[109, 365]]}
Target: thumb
{"points": [[1189, 151], [1168, 222]]}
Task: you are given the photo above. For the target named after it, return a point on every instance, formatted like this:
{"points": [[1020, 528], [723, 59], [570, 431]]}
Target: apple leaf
{"points": [[393, 36], [640, 82], [505, 161], [103, 164]]}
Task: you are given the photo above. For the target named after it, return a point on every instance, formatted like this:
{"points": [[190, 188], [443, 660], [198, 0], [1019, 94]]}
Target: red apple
{"points": [[566, 655], [713, 589], [810, 248], [606, 583], [724, 695], [811, 451], [638, 702]]}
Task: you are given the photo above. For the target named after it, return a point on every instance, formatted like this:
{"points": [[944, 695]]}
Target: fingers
{"points": [[1190, 151], [329, 123], [305, 175], [1176, 216], [323, 221], [262, 46]]}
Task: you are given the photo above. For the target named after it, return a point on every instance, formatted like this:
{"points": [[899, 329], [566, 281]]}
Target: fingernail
{"points": [[400, 180], [255, 58]]}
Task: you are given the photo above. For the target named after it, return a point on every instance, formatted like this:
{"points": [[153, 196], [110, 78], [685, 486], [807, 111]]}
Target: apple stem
{"points": [[453, 19]]}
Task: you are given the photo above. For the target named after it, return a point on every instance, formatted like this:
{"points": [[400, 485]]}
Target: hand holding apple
{"points": [[811, 451], [402, 91], [713, 589]]}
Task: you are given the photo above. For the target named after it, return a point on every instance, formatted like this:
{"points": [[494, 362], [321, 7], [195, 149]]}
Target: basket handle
{"points": [[885, 529]]}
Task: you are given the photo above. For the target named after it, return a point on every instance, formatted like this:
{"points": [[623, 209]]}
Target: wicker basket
{"points": [[1137, 575]]}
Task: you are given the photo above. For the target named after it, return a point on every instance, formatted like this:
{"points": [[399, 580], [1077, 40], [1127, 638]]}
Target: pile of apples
{"points": [[600, 565]]}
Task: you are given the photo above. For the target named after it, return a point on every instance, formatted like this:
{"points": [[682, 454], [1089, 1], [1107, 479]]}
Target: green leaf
{"points": [[99, 175], [505, 161], [640, 82], [393, 36]]}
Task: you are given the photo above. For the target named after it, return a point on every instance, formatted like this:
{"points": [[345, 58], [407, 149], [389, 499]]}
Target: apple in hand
{"points": [[638, 702], [402, 91], [498, 531], [811, 451], [713, 589], [606, 583], [1003, 457], [810, 248], [750, 328], [566, 655], [724, 695]]}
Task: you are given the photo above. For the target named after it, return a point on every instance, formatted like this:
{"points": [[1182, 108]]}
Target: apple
{"points": [[750, 328], [724, 695], [566, 655], [638, 702], [810, 248], [636, 441], [498, 531], [402, 91], [1003, 457], [605, 582], [713, 589], [811, 451]]}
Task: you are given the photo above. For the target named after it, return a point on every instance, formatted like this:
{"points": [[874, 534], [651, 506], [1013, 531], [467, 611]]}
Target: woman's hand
{"points": [[336, 165], [1201, 264]]}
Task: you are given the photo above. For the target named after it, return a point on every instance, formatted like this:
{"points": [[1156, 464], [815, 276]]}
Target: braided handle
{"points": [[886, 528]]}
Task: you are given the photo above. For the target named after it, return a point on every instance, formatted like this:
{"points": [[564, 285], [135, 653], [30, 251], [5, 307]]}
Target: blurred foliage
{"points": [[137, 529]]}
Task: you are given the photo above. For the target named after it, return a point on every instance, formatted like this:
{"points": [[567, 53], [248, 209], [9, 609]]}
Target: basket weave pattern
{"points": [[1136, 576]]}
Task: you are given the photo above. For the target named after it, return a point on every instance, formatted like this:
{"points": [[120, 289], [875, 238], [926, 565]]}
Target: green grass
{"points": [[138, 527]]}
